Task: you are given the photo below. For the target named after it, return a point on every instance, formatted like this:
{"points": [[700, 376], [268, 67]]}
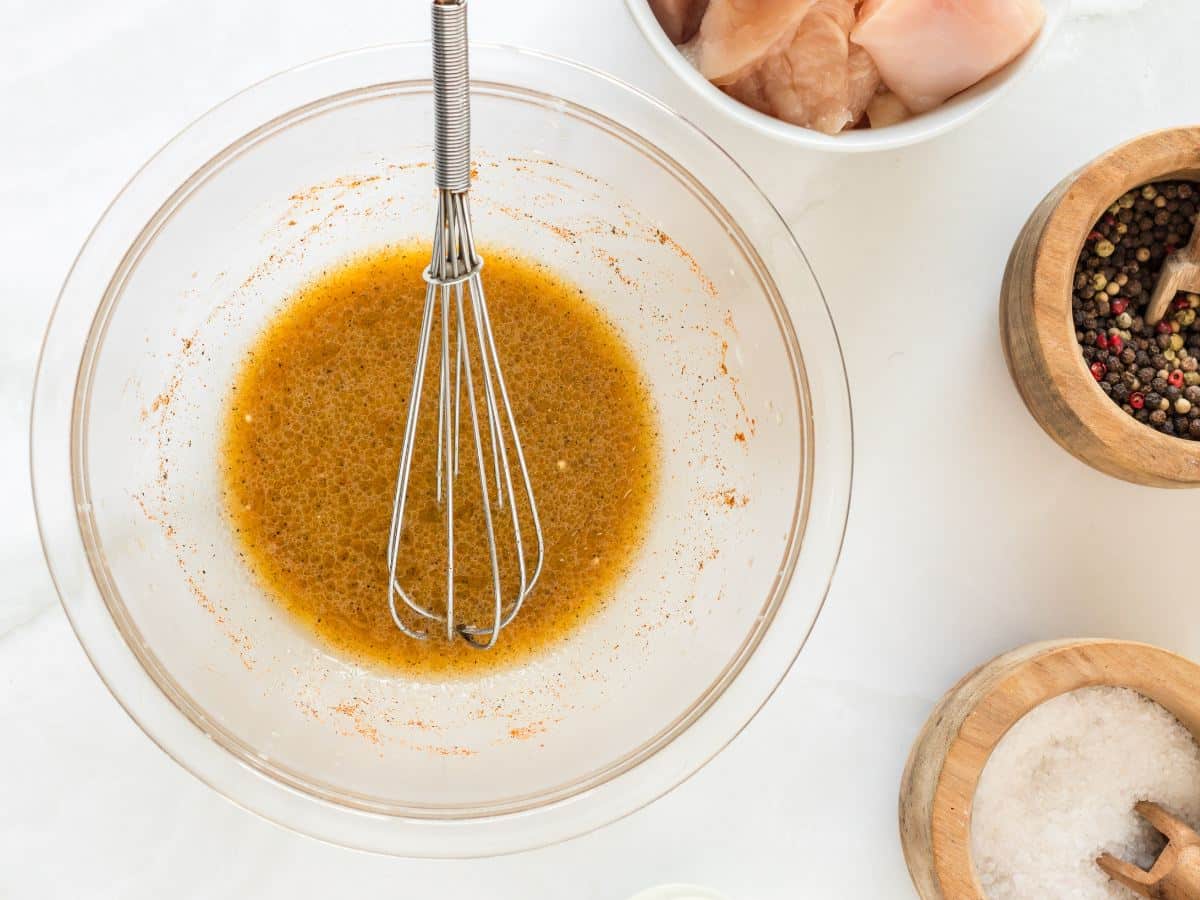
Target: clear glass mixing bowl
{"points": [[685, 256]]}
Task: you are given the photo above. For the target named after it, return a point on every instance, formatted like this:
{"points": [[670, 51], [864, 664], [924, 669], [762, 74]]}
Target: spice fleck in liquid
{"points": [[312, 440]]}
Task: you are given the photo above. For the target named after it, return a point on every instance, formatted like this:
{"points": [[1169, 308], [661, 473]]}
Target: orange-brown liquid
{"points": [[313, 436]]}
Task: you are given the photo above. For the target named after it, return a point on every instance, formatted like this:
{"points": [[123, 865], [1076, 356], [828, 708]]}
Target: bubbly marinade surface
{"points": [[313, 433]]}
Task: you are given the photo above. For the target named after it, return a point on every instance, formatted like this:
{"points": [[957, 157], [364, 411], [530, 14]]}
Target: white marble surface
{"points": [[970, 531]]}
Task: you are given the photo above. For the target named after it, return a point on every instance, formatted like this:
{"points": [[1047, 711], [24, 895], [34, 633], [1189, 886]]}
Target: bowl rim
{"points": [[952, 750], [282, 803], [956, 111], [1129, 446]]}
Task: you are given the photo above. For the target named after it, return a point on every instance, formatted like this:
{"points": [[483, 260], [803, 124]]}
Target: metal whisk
{"points": [[454, 294]]}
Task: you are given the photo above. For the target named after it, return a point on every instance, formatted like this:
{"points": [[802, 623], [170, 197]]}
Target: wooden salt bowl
{"points": [[1036, 326], [943, 770]]}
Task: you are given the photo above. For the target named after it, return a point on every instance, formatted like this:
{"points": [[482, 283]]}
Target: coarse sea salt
{"points": [[1059, 790]]}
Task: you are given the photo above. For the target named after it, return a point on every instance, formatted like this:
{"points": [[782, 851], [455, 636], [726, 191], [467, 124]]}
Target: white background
{"points": [[970, 531]]}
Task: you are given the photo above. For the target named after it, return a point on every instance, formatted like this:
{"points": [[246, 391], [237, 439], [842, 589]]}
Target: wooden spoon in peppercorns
{"points": [[1181, 272]]}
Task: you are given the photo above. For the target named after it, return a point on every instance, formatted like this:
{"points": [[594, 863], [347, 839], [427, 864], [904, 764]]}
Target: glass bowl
{"points": [[685, 256]]}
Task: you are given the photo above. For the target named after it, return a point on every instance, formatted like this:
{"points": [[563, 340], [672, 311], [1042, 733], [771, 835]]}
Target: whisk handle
{"points": [[451, 96]]}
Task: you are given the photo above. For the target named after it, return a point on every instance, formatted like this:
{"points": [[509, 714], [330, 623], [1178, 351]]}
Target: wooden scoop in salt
{"points": [[1176, 873]]}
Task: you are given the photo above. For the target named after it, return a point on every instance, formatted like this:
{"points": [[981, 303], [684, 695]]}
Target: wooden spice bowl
{"points": [[1038, 333], [944, 767]]}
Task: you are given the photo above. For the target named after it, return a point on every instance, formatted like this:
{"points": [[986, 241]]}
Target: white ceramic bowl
{"points": [[685, 256], [949, 115]]}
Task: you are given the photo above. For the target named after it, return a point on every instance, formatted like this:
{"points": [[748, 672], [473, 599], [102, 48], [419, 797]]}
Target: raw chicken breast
{"points": [[864, 81], [929, 50], [736, 34], [680, 19], [887, 109], [819, 79]]}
